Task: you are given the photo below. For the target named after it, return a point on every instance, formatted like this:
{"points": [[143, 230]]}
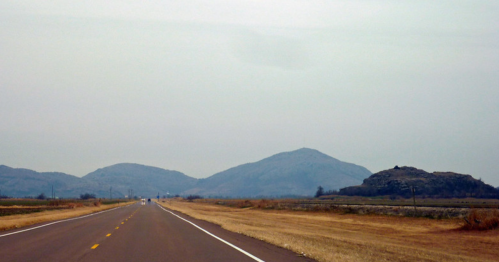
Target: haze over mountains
{"points": [[296, 173]]}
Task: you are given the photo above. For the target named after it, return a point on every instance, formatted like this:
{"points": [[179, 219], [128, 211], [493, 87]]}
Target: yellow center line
{"points": [[108, 235], [95, 246], [117, 227], [122, 223]]}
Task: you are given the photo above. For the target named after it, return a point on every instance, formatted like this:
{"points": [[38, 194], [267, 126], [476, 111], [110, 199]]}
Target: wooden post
{"points": [[413, 189]]}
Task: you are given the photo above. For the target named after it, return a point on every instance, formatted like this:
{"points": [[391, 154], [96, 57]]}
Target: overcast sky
{"points": [[202, 86]]}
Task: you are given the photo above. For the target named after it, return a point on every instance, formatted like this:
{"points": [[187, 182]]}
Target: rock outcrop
{"points": [[399, 181]]}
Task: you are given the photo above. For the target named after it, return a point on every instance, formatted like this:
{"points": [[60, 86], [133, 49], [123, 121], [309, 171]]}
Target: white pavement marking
{"points": [[200, 228], [60, 221]]}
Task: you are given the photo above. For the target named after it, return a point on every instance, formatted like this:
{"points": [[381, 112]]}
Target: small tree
{"points": [[320, 192], [192, 197], [41, 196], [87, 196]]}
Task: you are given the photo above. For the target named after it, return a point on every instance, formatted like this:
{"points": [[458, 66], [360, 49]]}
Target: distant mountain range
{"points": [[292, 173], [144, 180], [399, 181], [21, 182], [296, 173]]}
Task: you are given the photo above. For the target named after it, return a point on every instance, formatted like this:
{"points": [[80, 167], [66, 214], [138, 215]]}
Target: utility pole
{"points": [[111, 193], [53, 192], [413, 189]]}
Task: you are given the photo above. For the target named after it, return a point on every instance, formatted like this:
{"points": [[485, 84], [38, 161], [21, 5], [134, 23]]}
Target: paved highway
{"points": [[135, 233]]}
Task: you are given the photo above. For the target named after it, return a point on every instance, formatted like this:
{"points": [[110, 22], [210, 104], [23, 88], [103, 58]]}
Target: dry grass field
{"points": [[22, 220], [330, 236]]}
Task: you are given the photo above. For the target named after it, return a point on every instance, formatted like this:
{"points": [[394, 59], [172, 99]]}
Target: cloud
{"points": [[283, 13], [271, 50]]}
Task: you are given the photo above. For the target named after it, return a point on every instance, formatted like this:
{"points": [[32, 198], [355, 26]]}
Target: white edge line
{"points": [[65, 220], [200, 228]]}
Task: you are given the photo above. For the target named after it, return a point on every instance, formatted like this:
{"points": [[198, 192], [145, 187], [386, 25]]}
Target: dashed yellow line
{"points": [[96, 245]]}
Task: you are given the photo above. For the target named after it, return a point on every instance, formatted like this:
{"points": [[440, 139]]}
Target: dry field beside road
{"points": [[18, 221], [327, 236]]}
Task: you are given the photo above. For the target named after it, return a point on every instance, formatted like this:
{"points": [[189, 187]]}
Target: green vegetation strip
{"points": [[24, 210], [24, 203]]}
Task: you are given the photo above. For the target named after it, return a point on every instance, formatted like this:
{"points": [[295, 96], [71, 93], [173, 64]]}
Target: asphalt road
{"points": [[135, 233]]}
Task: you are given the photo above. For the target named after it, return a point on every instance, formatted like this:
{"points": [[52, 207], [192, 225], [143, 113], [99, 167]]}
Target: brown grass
{"points": [[18, 221], [327, 236], [482, 219]]}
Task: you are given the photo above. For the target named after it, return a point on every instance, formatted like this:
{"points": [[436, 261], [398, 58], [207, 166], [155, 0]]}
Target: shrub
{"points": [[244, 204], [57, 203], [192, 197], [266, 204], [481, 220], [41, 196], [87, 196]]}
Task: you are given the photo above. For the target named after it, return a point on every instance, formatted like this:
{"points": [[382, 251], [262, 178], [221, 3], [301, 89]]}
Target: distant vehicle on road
{"points": [[143, 201], [149, 200]]}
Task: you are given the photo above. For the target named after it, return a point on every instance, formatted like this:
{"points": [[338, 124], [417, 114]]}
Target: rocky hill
{"points": [[399, 180], [297, 173]]}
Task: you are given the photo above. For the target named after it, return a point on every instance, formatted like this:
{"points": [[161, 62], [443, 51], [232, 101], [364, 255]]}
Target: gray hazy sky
{"points": [[202, 86]]}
